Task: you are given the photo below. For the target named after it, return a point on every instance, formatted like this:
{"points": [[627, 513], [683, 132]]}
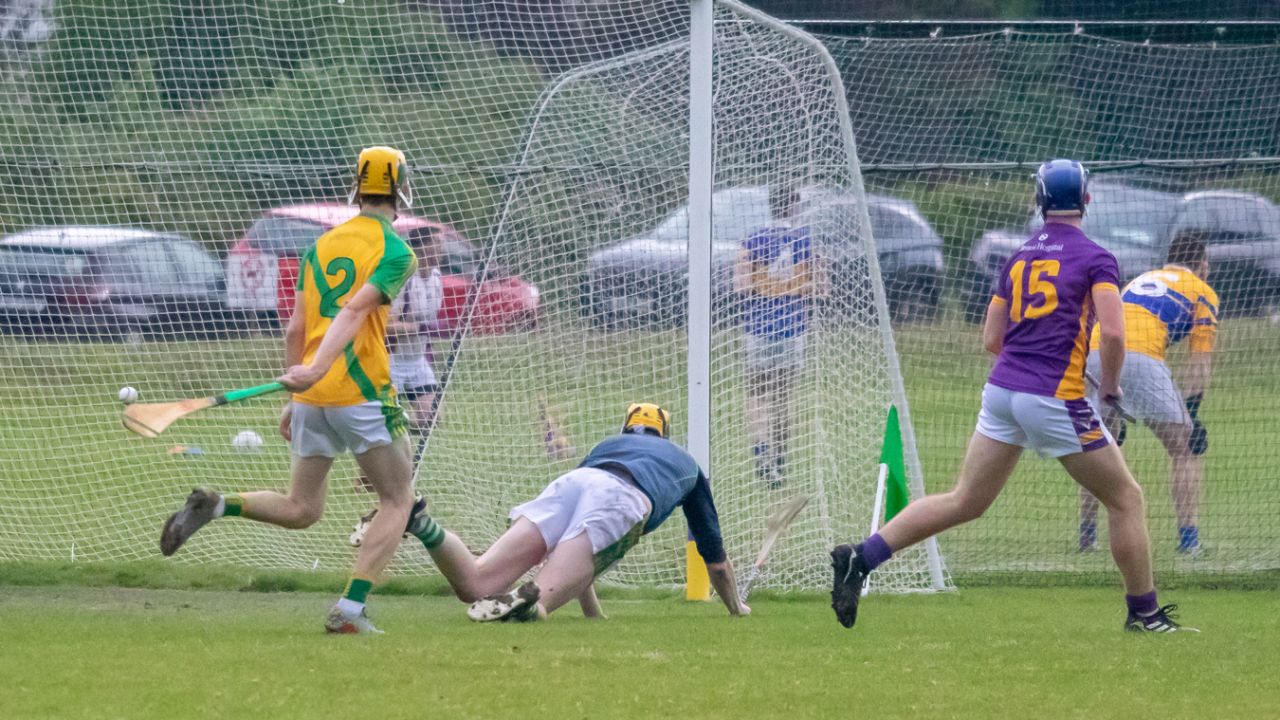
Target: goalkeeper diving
{"points": [[582, 524]]}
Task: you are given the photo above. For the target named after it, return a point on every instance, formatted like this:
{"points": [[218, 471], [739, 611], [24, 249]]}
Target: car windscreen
{"points": [[42, 262], [283, 236], [1127, 216], [1228, 218], [1128, 223], [900, 229], [735, 215], [459, 259]]}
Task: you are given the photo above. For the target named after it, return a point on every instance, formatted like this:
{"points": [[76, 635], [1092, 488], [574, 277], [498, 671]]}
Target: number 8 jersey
{"points": [[1046, 289], [361, 250], [1161, 307]]}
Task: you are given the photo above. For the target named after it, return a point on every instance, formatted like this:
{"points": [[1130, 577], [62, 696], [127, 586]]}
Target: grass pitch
{"points": [[75, 652]]}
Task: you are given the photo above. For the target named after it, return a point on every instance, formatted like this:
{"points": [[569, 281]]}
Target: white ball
{"points": [[128, 395], [247, 441]]}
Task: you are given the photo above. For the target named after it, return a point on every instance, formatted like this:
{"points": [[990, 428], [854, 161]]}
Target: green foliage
{"points": [[981, 653], [193, 118], [962, 206]]}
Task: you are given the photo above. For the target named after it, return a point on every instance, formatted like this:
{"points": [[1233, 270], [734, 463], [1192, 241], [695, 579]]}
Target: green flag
{"points": [[896, 496]]}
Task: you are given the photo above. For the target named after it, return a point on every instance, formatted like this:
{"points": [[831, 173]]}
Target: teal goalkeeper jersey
{"points": [[669, 477]]}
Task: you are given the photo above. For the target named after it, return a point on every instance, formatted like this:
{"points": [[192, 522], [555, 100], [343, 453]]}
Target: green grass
{"points": [[122, 653], [73, 485], [127, 635]]}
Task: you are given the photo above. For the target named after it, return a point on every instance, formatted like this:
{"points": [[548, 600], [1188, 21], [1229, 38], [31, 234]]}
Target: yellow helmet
{"points": [[382, 170], [644, 417]]}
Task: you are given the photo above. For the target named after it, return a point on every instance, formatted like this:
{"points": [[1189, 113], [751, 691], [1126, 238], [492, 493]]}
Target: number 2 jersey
{"points": [[362, 250], [1161, 307], [1046, 288]]}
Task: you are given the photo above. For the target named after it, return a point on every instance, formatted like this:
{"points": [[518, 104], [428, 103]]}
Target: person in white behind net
{"points": [[582, 524], [409, 330], [775, 279]]}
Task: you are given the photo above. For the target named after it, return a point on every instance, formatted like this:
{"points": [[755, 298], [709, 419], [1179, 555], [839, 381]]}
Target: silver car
{"points": [[113, 283], [643, 281], [1137, 226]]}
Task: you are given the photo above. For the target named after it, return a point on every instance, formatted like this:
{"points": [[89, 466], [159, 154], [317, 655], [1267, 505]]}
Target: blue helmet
{"points": [[1062, 186]]}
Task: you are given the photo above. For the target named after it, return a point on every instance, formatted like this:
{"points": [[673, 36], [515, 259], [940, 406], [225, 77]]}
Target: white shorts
{"points": [[762, 353], [330, 431], [412, 379], [1150, 394], [1050, 426], [610, 510]]}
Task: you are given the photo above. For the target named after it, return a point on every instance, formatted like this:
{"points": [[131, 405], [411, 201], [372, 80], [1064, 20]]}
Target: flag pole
{"points": [[877, 509]]}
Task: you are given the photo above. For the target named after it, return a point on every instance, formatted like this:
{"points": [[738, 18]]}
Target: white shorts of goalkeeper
{"points": [[331, 431], [610, 510]]}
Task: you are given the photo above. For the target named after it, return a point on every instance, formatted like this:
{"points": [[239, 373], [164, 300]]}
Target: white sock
{"points": [[221, 508], [350, 607]]}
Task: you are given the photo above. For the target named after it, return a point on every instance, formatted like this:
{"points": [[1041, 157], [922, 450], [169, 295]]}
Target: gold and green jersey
{"points": [[362, 250]]}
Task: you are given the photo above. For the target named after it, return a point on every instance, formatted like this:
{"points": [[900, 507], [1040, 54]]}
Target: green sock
{"points": [[234, 504], [426, 529], [357, 589]]}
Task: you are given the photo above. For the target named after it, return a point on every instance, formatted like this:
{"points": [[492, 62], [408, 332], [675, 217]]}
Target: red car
{"points": [[262, 269]]}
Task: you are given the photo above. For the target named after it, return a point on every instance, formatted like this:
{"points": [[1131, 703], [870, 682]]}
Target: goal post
{"points": [[937, 574], [552, 160], [641, 282], [701, 221]]}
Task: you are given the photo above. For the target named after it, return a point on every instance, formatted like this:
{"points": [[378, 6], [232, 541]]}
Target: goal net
{"points": [[1178, 138], [170, 162]]}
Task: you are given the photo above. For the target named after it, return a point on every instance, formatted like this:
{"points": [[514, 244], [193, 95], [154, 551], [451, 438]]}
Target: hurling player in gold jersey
{"points": [[343, 398]]}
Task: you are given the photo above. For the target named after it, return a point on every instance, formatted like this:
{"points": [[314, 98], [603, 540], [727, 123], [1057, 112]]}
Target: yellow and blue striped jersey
{"points": [[1161, 307], [362, 250]]}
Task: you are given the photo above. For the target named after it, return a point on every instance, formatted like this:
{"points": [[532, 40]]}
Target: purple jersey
{"points": [[1046, 289]]}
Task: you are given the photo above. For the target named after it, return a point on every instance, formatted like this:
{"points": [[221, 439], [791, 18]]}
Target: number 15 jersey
{"points": [[361, 250], [1046, 290]]}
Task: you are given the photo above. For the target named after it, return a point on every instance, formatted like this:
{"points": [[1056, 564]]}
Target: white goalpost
{"points": [[727, 181]]}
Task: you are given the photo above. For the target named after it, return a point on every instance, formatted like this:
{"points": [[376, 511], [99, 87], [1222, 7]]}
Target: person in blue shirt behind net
{"points": [[776, 280], [582, 524]]}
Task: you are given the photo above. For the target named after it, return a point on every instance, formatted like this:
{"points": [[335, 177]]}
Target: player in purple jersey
{"points": [[1038, 323]]}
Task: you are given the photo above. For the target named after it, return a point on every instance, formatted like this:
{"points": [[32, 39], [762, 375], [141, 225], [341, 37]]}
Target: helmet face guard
{"points": [[382, 170], [647, 417], [1062, 188]]}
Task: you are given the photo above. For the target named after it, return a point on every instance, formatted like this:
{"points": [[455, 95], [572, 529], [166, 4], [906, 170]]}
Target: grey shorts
{"points": [[762, 353], [331, 431], [1050, 426], [1150, 394]]}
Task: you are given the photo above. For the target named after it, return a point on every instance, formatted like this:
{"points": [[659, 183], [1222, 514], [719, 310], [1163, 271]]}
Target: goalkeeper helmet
{"points": [[382, 170], [1062, 187], [647, 418]]}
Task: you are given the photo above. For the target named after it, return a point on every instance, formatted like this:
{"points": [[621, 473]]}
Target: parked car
{"points": [[118, 283], [643, 280], [262, 269], [1243, 233], [1137, 225]]}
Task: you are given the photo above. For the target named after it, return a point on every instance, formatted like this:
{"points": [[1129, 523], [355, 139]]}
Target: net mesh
{"points": [[1179, 138], [171, 161], [548, 144]]}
